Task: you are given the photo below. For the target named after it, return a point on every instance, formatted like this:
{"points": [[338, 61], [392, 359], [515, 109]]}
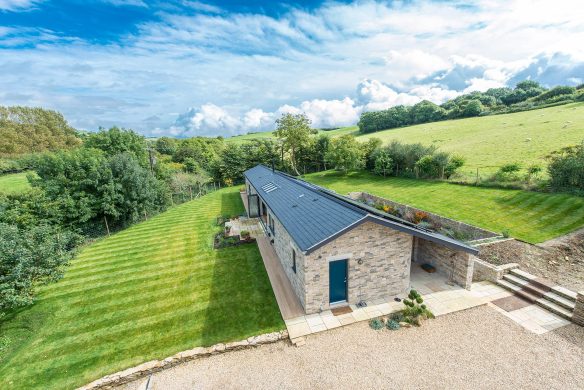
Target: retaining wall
{"points": [[131, 374], [473, 232]]}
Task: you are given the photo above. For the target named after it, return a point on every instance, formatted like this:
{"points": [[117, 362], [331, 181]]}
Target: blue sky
{"points": [[224, 67]]}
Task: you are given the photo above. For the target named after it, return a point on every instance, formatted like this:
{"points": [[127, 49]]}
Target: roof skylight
{"points": [[269, 187]]}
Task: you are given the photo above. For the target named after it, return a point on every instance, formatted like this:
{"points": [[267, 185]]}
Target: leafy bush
{"points": [[415, 311], [397, 317], [420, 216], [376, 323], [506, 233], [392, 325], [566, 169]]}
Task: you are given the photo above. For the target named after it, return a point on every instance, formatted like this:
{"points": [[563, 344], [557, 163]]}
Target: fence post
{"points": [[477, 183], [106, 225]]}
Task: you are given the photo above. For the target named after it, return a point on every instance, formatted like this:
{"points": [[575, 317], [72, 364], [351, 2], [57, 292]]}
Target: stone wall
{"points": [[473, 232], [283, 245], [131, 374], [383, 274], [578, 315], [486, 271], [457, 265]]}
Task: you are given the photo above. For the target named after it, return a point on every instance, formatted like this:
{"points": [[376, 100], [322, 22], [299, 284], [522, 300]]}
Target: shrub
{"points": [[415, 311], [506, 233], [392, 325], [397, 317], [420, 216], [376, 323], [565, 169], [244, 234]]}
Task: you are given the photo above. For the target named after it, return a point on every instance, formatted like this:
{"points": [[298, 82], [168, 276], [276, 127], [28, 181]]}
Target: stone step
{"points": [[543, 302], [560, 300], [564, 292], [556, 309], [540, 293], [522, 274]]}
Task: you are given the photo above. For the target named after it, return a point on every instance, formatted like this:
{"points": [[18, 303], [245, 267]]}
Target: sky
{"points": [[192, 68]]}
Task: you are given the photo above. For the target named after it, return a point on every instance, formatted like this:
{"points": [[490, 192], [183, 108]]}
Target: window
{"points": [[271, 224], [294, 260]]}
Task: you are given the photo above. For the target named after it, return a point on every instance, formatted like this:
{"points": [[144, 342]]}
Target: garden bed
{"points": [[446, 226]]}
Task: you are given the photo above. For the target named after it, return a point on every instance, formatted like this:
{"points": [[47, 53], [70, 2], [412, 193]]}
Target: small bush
{"points": [[420, 216], [506, 233], [376, 324], [415, 311], [392, 325], [397, 317]]}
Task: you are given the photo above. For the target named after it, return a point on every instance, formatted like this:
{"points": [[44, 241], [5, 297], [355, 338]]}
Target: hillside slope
{"points": [[491, 141]]}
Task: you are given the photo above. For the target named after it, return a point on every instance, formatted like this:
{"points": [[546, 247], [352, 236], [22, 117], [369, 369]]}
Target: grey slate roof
{"points": [[313, 215]]}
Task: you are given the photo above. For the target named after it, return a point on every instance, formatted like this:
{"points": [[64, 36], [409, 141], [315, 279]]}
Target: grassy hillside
{"points": [[488, 142], [529, 216], [491, 141], [13, 183], [145, 293], [269, 134]]}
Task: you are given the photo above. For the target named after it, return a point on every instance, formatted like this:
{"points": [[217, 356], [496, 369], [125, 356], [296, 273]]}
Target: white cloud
{"points": [[327, 113], [240, 69], [18, 5]]}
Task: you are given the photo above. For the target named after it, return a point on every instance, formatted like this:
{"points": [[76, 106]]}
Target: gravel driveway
{"points": [[473, 349]]}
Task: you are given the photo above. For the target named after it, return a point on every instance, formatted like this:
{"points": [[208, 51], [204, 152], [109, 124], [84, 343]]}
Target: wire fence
{"points": [[106, 226]]}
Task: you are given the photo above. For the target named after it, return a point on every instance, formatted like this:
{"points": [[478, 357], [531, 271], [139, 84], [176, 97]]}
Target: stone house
{"points": [[336, 251]]}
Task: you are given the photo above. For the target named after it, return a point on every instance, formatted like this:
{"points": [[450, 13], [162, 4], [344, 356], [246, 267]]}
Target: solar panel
{"points": [[269, 187]]}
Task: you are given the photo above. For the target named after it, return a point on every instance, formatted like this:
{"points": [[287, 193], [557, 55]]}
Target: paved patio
{"points": [[440, 296]]}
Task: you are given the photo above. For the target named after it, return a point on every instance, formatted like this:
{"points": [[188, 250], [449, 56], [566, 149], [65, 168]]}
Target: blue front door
{"points": [[338, 281]]}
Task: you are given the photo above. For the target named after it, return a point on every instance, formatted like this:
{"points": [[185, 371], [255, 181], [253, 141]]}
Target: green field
{"points": [[529, 216], [488, 142], [14, 183], [145, 293], [269, 134], [491, 141]]}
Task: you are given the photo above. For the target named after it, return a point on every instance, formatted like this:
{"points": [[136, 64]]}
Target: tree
{"points": [[321, 145], [26, 130], [28, 258], [165, 145], [473, 108], [369, 149], [294, 131], [426, 111], [345, 153], [116, 140], [134, 191], [383, 163], [566, 169]]}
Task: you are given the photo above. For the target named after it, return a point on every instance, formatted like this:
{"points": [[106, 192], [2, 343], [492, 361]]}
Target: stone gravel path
{"points": [[473, 349]]}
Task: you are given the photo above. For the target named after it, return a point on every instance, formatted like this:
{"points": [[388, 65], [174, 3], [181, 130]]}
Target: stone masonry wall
{"points": [[384, 272], [471, 231], [452, 263], [483, 270], [283, 245], [578, 315]]}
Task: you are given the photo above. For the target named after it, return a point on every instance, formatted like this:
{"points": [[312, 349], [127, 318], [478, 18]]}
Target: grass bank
{"points": [[529, 216], [14, 183], [145, 293]]}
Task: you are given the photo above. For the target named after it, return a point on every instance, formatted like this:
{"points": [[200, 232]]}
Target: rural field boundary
{"points": [[131, 374]]}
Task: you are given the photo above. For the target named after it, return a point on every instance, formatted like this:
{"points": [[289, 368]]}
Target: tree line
{"points": [[526, 95]]}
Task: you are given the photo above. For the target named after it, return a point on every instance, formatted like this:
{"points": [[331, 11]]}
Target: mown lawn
{"points": [[145, 293], [13, 183], [529, 216], [488, 142]]}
